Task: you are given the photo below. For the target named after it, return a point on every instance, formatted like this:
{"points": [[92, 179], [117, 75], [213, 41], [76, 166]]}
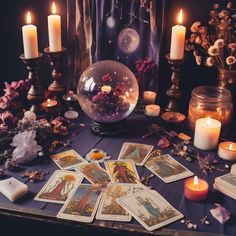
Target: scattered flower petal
{"points": [[163, 143]]}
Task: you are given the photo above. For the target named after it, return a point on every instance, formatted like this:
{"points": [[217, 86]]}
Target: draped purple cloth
{"points": [[122, 30]]}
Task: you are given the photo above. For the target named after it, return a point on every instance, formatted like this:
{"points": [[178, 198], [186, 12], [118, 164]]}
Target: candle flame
{"points": [[68, 98], [54, 9], [208, 120], [28, 18], [180, 17], [48, 100], [231, 146], [195, 181]]}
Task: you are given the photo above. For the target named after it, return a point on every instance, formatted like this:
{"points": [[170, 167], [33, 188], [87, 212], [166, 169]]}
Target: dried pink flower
{"points": [[230, 60], [219, 43], [213, 51], [198, 60], [195, 26], [210, 61]]}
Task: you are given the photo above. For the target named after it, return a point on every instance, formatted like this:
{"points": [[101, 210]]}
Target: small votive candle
{"points": [[49, 105], [152, 110], [149, 97], [195, 189], [207, 133], [106, 88], [227, 151]]}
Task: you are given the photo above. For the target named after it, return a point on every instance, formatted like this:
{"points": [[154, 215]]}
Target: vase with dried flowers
{"points": [[215, 45]]}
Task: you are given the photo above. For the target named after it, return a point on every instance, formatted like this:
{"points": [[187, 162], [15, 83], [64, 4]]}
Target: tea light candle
{"points": [[149, 97], [70, 96], [49, 105], [106, 88], [152, 110], [207, 133], [30, 39], [195, 189], [227, 151], [54, 30], [178, 39]]}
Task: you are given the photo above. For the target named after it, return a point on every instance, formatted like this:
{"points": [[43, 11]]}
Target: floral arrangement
{"points": [[146, 72], [112, 100], [14, 95], [215, 45]]}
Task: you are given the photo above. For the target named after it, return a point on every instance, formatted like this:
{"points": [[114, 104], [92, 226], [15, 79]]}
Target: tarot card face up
{"points": [[122, 171], [150, 209], [166, 168], [135, 151], [94, 173], [82, 205], [67, 160], [60, 185], [109, 209]]}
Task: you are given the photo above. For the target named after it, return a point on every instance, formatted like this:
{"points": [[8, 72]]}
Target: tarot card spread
{"points": [[109, 209], [60, 185], [122, 171], [150, 209], [94, 173], [67, 160], [82, 205], [166, 168], [135, 151]]}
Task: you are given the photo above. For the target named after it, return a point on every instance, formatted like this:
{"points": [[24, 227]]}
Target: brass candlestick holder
{"points": [[174, 93], [56, 61], [35, 93]]}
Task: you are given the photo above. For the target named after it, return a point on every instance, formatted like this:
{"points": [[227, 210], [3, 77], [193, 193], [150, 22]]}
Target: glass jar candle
{"points": [[211, 101]]}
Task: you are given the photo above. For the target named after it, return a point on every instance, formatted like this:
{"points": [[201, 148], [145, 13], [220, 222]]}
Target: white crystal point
{"points": [[26, 147]]}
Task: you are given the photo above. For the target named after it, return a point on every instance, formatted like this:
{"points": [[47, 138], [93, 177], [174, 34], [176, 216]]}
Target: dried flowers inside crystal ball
{"points": [[97, 155], [26, 148], [107, 91]]}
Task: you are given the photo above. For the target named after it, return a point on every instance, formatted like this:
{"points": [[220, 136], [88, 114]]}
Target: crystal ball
{"points": [[107, 91]]}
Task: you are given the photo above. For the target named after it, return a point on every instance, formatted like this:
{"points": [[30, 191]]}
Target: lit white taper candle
{"points": [[54, 30], [30, 38], [178, 39]]}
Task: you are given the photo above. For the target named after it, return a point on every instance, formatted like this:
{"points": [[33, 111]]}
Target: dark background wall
{"points": [[13, 16]]}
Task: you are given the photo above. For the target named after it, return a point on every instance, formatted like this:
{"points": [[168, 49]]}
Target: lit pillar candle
{"points": [[207, 133], [178, 39], [195, 189], [152, 110], [227, 151], [30, 40], [54, 30], [149, 97]]}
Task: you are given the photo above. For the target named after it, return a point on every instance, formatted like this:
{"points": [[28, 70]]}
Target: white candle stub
{"points": [[149, 97], [227, 151], [207, 133], [71, 115], [13, 189], [152, 110]]}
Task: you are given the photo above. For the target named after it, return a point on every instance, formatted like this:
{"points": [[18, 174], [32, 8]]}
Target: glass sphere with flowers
{"points": [[107, 91]]}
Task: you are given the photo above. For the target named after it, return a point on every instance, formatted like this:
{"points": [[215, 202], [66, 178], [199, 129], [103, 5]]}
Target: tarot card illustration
{"points": [[167, 168], [109, 209], [150, 209], [68, 159], [135, 151], [94, 173], [60, 185], [82, 205], [122, 171]]}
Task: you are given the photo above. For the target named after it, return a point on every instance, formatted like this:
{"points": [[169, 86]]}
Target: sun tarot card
{"points": [[122, 171], [135, 151], [94, 173], [82, 205], [166, 167], [60, 185], [109, 209], [150, 209], [67, 160]]}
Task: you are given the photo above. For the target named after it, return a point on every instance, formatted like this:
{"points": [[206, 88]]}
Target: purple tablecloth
{"points": [[173, 192]]}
